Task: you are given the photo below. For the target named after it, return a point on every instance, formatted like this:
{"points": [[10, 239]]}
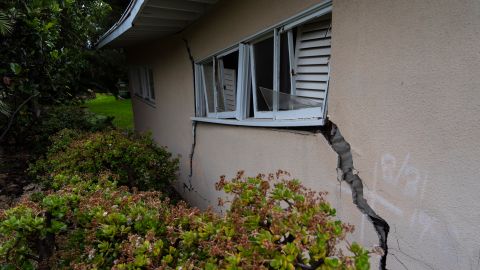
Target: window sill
{"points": [[262, 122], [146, 101]]}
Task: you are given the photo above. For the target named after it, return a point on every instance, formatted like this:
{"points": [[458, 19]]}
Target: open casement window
{"points": [[276, 78], [220, 81], [142, 82], [290, 70]]}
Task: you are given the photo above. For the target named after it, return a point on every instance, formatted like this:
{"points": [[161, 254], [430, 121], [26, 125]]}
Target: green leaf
{"points": [[5, 24], [210, 266], [49, 25], [57, 226], [332, 262], [15, 68]]}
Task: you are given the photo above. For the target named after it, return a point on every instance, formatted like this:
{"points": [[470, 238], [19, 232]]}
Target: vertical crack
{"points": [[348, 174], [189, 187]]}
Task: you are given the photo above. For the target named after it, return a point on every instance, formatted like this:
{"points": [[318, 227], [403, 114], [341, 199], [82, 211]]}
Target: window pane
{"points": [[263, 60], [140, 81], [290, 102], [133, 80], [285, 71], [209, 89], [151, 83], [285, 86], [226, 79]]}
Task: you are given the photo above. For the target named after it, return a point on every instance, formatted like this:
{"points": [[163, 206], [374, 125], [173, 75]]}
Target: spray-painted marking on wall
{"points": [[419, 235]]}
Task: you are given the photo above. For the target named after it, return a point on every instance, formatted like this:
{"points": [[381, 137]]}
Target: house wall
{"points": [[404, 92]]}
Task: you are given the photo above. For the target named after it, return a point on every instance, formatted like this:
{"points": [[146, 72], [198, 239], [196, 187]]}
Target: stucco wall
{"points": [[405, 94]]}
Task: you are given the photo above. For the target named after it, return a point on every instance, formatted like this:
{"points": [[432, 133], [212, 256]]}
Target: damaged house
{"points": [[264, 85]]}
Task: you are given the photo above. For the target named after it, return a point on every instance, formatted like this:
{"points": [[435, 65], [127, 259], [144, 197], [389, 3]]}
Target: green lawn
{"points": [[107, 105]]}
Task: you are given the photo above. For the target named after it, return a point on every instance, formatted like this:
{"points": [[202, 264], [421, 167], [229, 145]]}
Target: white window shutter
{"points": [[229, 84], [243, 90], [312, 57]]}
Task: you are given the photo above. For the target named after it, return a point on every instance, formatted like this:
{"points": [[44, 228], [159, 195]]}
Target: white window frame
{"points": [[201, 87], [306, 113], [141, 84], [246, 84]]}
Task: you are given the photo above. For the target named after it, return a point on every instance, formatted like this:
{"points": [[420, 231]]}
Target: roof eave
{"points": [[131, 26]]}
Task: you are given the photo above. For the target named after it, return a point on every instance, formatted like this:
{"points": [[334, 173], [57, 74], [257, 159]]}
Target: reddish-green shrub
{"points": [[93, 224]]}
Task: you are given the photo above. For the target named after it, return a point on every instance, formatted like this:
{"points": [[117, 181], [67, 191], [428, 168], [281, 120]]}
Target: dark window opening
{"points": [[263, 57]]}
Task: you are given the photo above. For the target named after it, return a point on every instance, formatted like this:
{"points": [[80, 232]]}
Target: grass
{"points": [[121, 109]]}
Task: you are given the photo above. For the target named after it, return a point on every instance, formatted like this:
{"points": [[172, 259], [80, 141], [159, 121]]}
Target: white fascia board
{"points": [[121, 28]]}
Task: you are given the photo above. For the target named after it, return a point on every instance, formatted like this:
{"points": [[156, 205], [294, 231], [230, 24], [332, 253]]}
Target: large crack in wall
{"points": [[348, 174]]}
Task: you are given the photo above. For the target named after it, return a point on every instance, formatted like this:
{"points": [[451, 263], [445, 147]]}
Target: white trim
{"points": [[229, 114], [254, 79], [116, 30], [262, 122], [242, 82], [306, 18], [291, 62], [204, 89], [305, 113], [199, 105], [325, 101], [227, 52], [215, 90], [264, 114], [276, 70]]}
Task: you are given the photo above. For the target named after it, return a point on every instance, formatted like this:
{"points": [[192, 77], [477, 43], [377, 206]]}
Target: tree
{"points": [[46, 54]]}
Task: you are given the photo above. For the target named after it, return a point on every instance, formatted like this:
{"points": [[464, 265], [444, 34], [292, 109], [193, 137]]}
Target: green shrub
{"points": [[135, 159], [271, 224], [34, 134]]}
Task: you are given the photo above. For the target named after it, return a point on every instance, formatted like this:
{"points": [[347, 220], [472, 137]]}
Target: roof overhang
{"points": [[150, 19]]}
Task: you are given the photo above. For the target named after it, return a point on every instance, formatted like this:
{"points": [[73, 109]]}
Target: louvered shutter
{"points": [[229, 84], [312, 55]]}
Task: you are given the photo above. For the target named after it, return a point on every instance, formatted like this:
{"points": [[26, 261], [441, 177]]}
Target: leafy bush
{"points": [[135, 159], [93, 224], [35, 134]]}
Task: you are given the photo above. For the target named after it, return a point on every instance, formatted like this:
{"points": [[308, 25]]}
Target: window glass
{"points": [[285, 87], [139, 75], [263, 75], [151, 83], [209, 85]]}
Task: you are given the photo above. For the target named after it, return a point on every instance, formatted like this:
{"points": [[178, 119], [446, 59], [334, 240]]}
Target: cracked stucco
{"points": [[348, 174]]}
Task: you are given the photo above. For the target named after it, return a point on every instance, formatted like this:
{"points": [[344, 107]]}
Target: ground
{"points": [[13, 179], [121, 109]]}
